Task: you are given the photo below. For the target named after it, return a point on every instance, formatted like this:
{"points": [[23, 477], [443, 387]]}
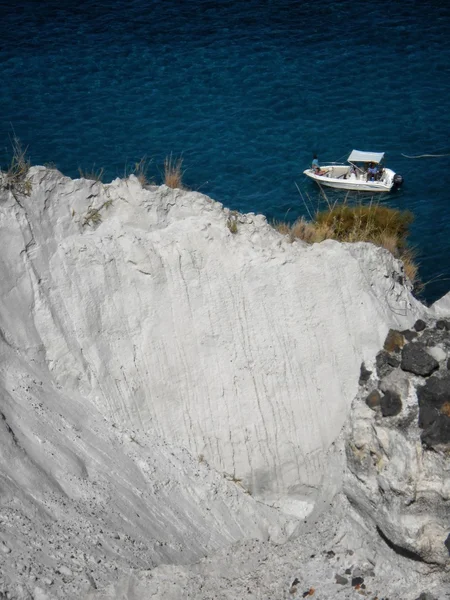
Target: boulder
{"points": [[385, 363], [436, 391], [420, 325], [438, 433], [409, 335], [434, 410], [415, 359], [364, 374], [397, 381], [391, 404]]}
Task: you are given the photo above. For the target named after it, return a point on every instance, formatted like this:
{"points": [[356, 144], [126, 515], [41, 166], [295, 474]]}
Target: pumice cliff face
{"points": [[242, 347], [168, 382]]}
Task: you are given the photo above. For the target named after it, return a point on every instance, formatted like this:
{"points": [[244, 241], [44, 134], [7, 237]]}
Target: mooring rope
{"points": [[425, 155]]}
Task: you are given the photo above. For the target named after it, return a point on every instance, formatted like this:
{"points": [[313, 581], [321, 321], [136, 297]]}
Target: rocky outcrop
{"points": [[399, 443]]}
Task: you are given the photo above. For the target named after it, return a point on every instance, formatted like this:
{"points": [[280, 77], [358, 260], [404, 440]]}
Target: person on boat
{"points": [[372, 172], [316, 167]]}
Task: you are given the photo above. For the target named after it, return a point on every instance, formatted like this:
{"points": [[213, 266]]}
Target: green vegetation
{"points": [[379, 225]]}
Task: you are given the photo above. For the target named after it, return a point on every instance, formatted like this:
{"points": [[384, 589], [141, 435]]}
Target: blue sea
{"points": [[244, 92]]}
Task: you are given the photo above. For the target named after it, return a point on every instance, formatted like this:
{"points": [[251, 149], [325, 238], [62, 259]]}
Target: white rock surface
{"points": [[138, 350], [441, 308], [304, 567], [243, 348]]}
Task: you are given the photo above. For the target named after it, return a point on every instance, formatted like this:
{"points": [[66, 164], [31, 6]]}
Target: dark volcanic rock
{"points": [[393, 361], [447, 543], [438, 433], [385, 363], [373, 399], [415, 359], [391, 404], [431, 337], [419, 325], [427, 415], [436, 391], [341, 580], [394, 341], [364, 374], [409, 335], [434, 410], [357, 581], [441, 324]]}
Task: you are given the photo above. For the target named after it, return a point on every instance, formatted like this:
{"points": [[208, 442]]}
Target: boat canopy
{"points": [[358, 156]]}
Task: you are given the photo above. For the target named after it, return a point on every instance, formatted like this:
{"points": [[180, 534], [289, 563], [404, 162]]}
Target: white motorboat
{"points": [[364, 172]]}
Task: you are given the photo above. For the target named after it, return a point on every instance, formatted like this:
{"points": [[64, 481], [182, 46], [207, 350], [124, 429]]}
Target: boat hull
{"points": [[356, 183]]}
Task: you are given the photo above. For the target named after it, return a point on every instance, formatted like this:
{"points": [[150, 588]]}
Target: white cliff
{"points": [[161, 376]]}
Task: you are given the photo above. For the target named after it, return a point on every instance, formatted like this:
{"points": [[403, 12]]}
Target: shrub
{"points": [[371, 223], [380, 225]]}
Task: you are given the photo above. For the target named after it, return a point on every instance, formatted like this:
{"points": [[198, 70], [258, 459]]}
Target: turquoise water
{"points": [[244, 91]]}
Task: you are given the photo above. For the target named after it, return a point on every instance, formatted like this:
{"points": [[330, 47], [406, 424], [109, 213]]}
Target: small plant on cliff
{"points": [[15, 177], [232, 222], [173, 174], [93, 174], [141, 170], [93, 215]]}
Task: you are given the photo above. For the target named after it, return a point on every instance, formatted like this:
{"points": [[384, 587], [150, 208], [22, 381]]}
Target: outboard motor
{"points": [[398, 180]]}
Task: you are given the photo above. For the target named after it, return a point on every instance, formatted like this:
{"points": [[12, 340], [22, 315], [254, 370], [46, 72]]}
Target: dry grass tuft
{"points": [[141, 170], [173, 174], [16, 174], [282, 227], [408, 256], [307, 231], [94, 174], [366, 223], [380, 225]]}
